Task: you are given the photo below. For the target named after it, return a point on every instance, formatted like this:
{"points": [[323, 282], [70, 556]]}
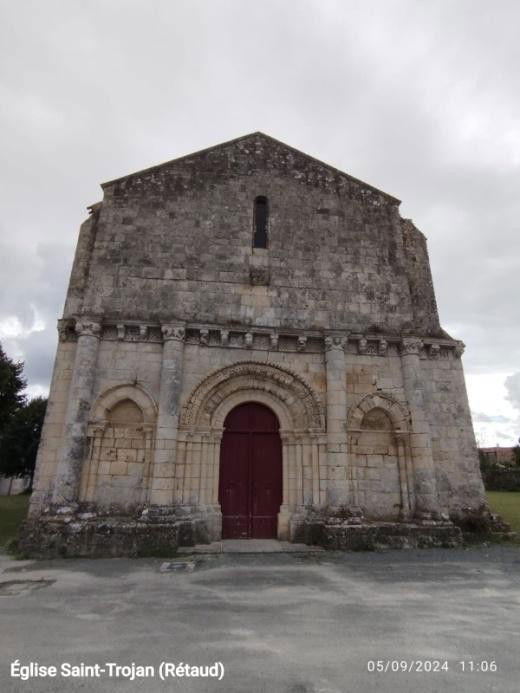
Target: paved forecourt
{"points": [[278, 622]]}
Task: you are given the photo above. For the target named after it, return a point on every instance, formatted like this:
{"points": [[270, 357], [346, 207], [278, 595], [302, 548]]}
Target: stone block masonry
{"points": [[175, 319]]}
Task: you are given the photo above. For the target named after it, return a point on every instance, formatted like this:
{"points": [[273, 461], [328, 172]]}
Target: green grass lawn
{"points": [[13, 510], [506, 504]]}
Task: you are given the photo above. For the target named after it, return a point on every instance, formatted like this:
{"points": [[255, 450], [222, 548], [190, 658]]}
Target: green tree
{"points": [[516, 455], [12, 384], [20, 439]]}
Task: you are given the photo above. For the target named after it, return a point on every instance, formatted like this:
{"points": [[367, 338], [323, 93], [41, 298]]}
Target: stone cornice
{"points": [[263, 338]]}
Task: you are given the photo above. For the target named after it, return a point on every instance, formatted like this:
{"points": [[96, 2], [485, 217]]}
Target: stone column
{"points": [[425, 487], [91, 464], [284, 515], [73, 449], [337, 485], [163, 471], [404, 475]]}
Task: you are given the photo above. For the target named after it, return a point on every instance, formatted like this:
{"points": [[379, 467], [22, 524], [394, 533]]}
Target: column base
{"points": [[384, 535], [347, 529], [64, 532]]}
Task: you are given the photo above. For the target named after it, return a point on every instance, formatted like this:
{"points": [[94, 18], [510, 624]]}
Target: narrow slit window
{"points": [[261, 218]]}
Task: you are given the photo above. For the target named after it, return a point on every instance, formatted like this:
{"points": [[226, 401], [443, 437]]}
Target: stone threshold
{"points": [[250, 546]]}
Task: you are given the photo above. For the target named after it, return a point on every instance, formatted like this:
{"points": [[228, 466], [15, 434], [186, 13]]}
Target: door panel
{"points": [[250, 489], [267, 484], [234, 485]]}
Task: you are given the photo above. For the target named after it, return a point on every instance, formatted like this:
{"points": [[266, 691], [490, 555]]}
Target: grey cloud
{"points": [[37, 353], [512, 385], [39, 349], [480, 417], [419, 99]]}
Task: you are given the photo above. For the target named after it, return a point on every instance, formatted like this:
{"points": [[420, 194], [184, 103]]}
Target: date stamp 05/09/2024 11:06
{"points": [[427, 666]]}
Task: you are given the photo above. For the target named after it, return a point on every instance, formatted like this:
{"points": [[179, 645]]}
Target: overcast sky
{"points": [[419, 98]]}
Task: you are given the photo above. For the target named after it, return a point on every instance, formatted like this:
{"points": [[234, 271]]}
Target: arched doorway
{"points": [[250, 486]]}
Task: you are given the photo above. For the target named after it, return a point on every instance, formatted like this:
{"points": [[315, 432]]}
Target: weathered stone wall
{"points": [[177, 240], [117, 471], [375, 467], [459, 482], [417, 269], [121, 362], [172, 319]]}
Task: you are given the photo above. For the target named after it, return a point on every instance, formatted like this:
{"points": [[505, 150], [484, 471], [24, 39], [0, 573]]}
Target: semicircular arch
{"points": [[285, 392], [136, 394], [396, 411]]}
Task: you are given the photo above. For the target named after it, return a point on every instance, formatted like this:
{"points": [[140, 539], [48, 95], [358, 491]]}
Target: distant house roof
{"points": [[498, 453]]}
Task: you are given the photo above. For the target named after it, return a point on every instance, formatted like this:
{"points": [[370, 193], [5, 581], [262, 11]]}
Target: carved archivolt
{"points": [[117, 394], [397, 412], [279, 385]]}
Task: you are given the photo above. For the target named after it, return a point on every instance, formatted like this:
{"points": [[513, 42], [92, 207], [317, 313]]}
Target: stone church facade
{"points": [[250, 347]]}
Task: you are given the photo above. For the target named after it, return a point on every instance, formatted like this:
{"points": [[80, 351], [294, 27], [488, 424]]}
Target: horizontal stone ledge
{"points": [[260, 337]]}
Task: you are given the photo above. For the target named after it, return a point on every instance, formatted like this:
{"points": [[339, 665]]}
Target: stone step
{"points": [[250, 546]]}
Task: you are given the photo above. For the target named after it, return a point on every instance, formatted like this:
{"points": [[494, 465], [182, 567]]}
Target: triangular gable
{"points": [[251, 136]]}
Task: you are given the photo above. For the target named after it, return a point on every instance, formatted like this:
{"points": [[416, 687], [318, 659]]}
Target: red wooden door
{"points": [[250, 488]]}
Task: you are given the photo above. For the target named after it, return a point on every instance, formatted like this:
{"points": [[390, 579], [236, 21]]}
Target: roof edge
{"points": [[227, 143]]}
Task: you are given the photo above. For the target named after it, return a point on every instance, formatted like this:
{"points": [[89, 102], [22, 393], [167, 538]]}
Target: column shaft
{"points": [[163, 472], [73, 449], [337, 486], [425, 489]]}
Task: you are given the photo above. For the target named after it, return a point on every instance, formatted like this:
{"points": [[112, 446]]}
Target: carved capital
{"points": [[121, 331], [66, 331], [204, 337], [143, 331], [335, 342], [224, 337], [249, 340], [382, 347], [301, 344], [459, 349], [411, 345], [176, 333], [273, 338], [96, 430], [434, 351], [362, 346], [88, 328], [62, 330], [288, 438]]}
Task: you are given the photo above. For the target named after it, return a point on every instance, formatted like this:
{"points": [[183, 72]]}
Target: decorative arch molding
{"points": [[397, 412], [290, 397], [242, 396], [107, 400]]}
